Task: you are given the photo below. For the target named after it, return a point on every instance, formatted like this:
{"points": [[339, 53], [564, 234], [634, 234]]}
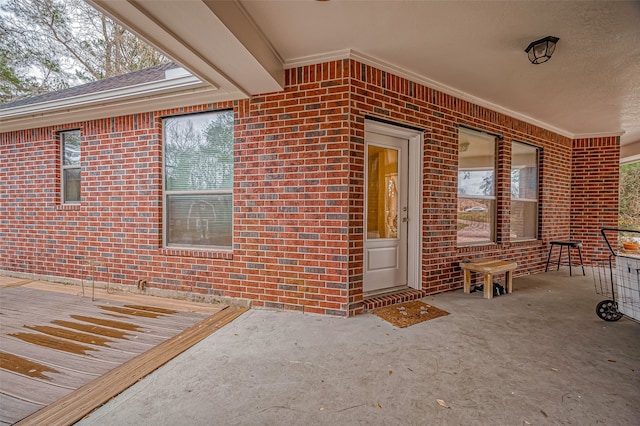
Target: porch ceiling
{"points": [[474, 50]]}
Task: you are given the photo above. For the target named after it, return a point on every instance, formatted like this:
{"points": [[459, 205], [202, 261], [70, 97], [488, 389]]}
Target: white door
{"points": [[386, 211]]}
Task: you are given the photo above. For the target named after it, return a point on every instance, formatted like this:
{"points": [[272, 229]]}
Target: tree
{"points": [[629, 204], [47, 45]]}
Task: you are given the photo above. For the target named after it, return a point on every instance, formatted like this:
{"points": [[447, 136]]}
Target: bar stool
{"points": [[569, 245]]}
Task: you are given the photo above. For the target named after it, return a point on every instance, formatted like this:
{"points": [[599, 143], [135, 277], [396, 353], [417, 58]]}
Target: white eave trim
{"points": [[630, 153], [108, 96], [177, 90], [598, 135], [319, 59]]}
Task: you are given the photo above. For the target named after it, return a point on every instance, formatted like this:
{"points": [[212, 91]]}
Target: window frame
{"points": [[167, 193], [492, 199], [65, 167], [536, 216]]}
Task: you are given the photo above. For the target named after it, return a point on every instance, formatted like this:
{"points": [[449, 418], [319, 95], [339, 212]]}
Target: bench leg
{"points": [[467, 281], [569, 254], [559, 258], [581, 264], [488, 286], [548, 259], [509, 281]]}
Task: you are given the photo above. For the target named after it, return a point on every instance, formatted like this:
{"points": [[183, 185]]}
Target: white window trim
{"points": [[64, 167], [166, 193], [530, 200], [493, 238]]}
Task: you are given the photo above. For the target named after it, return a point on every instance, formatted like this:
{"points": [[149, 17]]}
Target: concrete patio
{"points": [[536, 357]]}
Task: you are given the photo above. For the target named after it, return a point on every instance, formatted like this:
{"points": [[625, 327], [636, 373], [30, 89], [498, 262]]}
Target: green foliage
{"points": [[629, 204], [47, 45]]}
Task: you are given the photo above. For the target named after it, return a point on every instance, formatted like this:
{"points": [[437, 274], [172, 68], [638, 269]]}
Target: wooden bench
{"points": [[488, 267]]}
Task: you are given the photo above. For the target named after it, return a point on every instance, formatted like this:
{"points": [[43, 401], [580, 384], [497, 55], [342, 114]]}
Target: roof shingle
{"points": [[147, 75]]}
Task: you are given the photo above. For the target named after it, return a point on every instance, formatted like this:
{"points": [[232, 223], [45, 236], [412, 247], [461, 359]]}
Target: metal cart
{"points": [[618, 279]]}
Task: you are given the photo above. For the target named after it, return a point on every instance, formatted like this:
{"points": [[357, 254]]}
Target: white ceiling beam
{"points": [[192, 34], [243, 27]]}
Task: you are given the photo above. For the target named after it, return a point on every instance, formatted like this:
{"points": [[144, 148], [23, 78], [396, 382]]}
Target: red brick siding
{"points": [[298, 193], [594, 197], [290, 193]]}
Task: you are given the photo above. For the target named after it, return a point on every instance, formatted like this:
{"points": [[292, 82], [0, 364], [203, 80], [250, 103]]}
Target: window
{"points": [[476, 187], [70, 170], [198, 180], [524, 192]]}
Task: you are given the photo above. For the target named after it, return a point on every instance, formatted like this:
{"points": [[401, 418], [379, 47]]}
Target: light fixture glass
{"points": [[540, 51]]}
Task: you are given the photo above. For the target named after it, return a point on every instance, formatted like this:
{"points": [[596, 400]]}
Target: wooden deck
{"points": [[62, 354]]}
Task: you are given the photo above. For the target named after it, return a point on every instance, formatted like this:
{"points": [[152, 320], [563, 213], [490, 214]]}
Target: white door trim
{"points": [[414, 239]]}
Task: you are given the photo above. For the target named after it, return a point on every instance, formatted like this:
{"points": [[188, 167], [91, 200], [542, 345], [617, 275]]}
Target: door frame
{"points": [[414, 192]]}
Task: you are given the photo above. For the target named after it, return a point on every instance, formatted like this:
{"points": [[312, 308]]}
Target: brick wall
{"points": [[594, 197], [298, 194], [290, 194], [291, 197]]}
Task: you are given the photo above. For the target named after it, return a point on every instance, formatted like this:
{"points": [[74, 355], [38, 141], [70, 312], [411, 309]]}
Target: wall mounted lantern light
{"points": [[540, 51]]}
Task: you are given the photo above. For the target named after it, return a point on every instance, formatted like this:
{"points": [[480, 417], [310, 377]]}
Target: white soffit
{"points": [[475, 50], [216, 41]]}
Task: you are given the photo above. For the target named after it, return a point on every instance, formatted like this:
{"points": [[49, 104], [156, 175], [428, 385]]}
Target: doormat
{"points": [[409, 313]]}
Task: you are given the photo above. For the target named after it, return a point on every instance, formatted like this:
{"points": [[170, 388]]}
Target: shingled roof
{"points": [[147, 75]]}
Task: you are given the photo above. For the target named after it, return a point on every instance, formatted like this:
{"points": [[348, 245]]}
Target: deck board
{"points": [[59, 303], [132, 344], [59, 375], [120, 296], [81, 402], [14, 409], [31, 390], [56, 359], [53, 341], [46, 343]]}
